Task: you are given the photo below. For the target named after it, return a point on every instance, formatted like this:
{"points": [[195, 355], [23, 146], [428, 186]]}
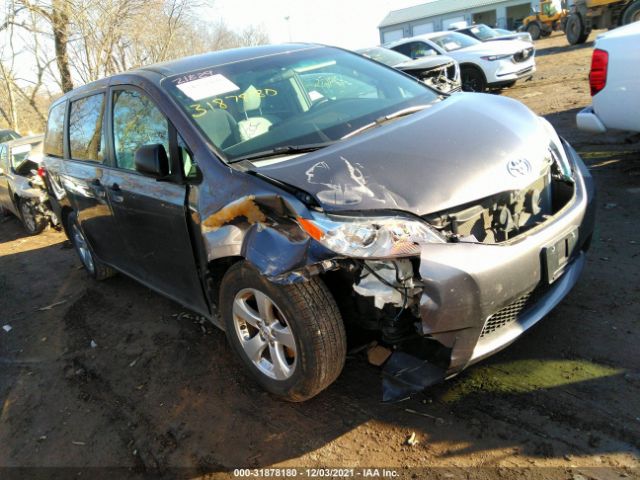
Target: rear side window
{"points": [[85, 128], [136, 122], [55, 131]]}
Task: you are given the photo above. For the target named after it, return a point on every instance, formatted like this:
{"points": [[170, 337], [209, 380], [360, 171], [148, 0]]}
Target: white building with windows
{"points": [[438, 15]]}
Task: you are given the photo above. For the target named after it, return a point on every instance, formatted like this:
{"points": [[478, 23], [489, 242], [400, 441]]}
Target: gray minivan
{"points": [[301, 190]]}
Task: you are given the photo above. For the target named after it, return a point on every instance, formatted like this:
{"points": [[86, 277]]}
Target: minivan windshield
{"points": [[292, 101], [451, 41]]}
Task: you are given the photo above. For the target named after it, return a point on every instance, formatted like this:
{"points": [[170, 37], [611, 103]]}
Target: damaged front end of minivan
{"points": [[442, 290]]}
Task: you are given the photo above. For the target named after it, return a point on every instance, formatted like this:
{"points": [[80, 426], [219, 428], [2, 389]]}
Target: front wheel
{"points": [[472, 79], [33, 222], [290, 337]]}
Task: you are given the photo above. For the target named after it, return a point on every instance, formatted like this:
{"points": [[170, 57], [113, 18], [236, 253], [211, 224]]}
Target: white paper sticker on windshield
{"points": [[451, 46], [208, 87]]}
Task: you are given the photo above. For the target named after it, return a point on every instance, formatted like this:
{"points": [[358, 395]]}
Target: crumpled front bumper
{"points": [[467, 283]]}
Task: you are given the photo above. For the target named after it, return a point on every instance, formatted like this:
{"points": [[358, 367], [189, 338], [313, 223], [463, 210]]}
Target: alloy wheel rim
{"points": [[264, 334], [83, 249]]}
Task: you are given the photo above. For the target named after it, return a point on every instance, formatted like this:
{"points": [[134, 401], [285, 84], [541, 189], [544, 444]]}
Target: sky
{"points": [[344, 23]]}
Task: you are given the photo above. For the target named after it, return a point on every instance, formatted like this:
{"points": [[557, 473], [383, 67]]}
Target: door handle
{"points": [[116, 193], [97, 188]]}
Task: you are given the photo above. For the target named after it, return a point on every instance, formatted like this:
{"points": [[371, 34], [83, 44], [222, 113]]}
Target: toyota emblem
{"points": [[519, 167]]}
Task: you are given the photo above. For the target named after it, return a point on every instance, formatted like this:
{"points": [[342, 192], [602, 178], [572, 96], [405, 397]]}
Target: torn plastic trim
{"points": [[262, 229]]}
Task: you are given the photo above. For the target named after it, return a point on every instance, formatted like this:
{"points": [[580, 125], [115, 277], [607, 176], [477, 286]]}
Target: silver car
{"points": [[22, 188]]}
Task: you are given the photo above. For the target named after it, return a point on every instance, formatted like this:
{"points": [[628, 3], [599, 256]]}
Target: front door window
{"points": [[136, 122]]}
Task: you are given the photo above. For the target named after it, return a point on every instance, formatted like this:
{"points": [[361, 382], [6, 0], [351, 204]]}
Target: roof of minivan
{"points": [[195, 62], [222, 57]]}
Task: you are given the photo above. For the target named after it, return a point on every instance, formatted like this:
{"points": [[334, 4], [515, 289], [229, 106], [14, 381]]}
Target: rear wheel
{"points": [[632, 14], [534, 30], [472, 79], [32, 221], [92, 265], [291, 337], [575, 30]]}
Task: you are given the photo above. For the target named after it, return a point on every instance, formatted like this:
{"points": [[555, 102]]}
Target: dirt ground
{"points": [[112, 375]]}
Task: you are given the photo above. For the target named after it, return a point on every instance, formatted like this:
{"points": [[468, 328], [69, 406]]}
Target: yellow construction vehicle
{"points": [[586, 15], [544, 20]]}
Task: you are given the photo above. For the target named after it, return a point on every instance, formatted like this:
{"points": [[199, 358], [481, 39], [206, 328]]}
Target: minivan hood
{"points": [[450, 154]]}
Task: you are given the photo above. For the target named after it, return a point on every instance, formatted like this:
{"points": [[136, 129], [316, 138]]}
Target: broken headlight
{"points": [[556, 149], [380, 237]]}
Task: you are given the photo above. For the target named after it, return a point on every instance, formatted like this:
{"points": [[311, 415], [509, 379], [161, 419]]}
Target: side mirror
{"points": [[152, 160]]}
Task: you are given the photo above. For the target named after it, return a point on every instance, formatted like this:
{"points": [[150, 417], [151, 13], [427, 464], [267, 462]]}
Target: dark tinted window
{"points": [[85, 128], [55, 131], [136, 122]]}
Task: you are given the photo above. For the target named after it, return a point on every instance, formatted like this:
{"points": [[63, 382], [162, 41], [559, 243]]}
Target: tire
{"points": [[534, 30], [472, 79], [632, 14], [575, 30], [304, 315], [92, 265], [33, 223]]}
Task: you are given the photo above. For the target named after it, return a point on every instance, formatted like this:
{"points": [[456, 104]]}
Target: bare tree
{"points": [[92, 39]]}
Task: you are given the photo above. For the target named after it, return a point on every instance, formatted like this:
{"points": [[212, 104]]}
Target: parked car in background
{"points": [[22, 189], [485, 33], [8, 135], [483, 65], [298, 187], [614, 82], [440, 72]]}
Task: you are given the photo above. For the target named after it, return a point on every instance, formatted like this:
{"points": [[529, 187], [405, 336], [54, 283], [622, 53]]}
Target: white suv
{"points": [[482, 64], [614, 81]]}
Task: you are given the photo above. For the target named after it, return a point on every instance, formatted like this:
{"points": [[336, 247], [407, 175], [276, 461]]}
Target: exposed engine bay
{"points": [[441, 78]]}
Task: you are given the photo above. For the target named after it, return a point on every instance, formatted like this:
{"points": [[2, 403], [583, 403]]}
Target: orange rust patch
{"points": [[245, 207]]}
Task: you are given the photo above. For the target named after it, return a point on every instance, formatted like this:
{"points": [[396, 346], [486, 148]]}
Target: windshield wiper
{"points": [[282, 150], [392, 116]]}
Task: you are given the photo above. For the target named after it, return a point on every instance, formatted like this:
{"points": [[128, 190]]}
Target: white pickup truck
{"points": [[615, 82]]}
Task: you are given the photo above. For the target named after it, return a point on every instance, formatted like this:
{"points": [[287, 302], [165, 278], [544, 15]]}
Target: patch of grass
{"points": [[523, 376]]}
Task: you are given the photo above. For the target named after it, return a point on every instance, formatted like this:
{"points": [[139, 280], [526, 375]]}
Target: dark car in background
{"points": [[440, 72], [22, 189], [299, 189]]}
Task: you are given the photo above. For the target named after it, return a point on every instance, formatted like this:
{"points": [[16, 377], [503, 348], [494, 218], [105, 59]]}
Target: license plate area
{"points": [[556, 256]]}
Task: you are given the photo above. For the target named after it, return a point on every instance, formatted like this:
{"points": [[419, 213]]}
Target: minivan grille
{"points": [[507, 315]]}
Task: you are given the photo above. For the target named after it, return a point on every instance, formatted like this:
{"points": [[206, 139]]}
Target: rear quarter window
{"points": [[55, 131]]}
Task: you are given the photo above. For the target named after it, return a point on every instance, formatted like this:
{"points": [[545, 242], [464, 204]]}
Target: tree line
{"points": [[51, 46]]}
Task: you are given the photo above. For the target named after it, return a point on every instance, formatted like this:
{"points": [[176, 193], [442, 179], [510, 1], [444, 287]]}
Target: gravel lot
{"points": [[160, 390]]}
